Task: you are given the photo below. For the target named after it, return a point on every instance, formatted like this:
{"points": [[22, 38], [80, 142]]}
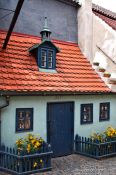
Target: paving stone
{"points": [[80, 165]]}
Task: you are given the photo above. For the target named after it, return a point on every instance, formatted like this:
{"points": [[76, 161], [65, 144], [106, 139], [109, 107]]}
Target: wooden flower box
{"points": [[13, 163], [101, 69], [95, 149], [107, 74], [95, 63]]}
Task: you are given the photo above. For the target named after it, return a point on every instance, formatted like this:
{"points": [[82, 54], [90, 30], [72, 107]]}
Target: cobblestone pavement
{"points": [[80, 165]]}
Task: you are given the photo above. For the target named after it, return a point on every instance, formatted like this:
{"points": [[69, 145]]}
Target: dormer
{"points": [[46, 51]]}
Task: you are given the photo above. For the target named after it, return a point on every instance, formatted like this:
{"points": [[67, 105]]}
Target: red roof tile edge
{"points": [[104, 11]]}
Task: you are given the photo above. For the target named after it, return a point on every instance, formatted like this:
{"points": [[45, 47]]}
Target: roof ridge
{"points": [[103, 11], [39, 38]]}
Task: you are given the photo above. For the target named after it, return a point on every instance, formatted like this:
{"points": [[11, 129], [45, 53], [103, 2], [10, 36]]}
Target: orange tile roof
{"points": [[19, 71]]}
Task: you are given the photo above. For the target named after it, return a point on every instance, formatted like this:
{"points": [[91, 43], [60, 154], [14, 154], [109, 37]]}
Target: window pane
{"points": [[50, 55], [27, 120], [43, 58], [86, 113], [50, 58], [20, 120], [104, 111], [43, 64], [50, 65], [24, 119]]}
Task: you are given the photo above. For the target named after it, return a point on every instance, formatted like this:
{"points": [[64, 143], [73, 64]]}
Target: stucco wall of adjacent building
{"points": [[39, 104], [85, 28], [62, 18], [104, 44], [96, 39]]}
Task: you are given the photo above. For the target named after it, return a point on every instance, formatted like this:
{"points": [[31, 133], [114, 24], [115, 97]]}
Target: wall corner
{"points": [[85, 28]]}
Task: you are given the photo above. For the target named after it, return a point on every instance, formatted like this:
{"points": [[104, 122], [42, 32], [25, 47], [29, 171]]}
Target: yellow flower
{"points": [[41, 140], [33, 141], [35, 146], [30, 137], [38, 144], [17, 142], [41, 161], [28, 150], [28, 145], [35, 164]]}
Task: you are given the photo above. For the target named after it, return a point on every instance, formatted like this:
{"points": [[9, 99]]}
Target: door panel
{"points": [[60, 127]]}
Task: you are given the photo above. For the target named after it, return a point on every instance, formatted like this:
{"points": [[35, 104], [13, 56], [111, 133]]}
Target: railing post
{"points": [[20, 165], [77, 143], [97, 151], [49, 156]]}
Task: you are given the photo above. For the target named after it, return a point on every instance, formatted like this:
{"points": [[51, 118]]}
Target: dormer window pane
{"points": [[47, 58], [43, 58], [50, 59]]}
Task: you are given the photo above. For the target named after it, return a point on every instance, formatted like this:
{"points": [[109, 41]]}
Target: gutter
{"points": [[1, 107], [44, 93], [6, 104]]}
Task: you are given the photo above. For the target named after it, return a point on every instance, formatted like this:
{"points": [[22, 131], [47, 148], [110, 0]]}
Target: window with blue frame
{"points": [[24, 119], [86, 113], [104, 111], [47, 59]]}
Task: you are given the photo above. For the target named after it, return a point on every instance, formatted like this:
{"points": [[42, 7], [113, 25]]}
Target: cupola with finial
{"points": [[46, 51], [45, 33]]}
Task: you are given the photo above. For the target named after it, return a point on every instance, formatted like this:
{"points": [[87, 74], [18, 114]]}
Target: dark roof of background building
{"points": [[71, 2], [106, 15], [19, 71]]}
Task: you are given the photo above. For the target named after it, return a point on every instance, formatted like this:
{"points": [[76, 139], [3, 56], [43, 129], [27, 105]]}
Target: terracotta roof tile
{"points": [[19, 71], [106, 15]]}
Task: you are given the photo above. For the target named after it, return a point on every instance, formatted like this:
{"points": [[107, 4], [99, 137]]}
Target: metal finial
{"points": [[45, 33], [46, 23]]}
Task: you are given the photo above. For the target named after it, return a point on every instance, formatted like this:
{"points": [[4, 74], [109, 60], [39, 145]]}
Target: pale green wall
{"points": [[40, 105]]}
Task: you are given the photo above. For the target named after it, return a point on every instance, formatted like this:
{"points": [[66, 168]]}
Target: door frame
{"points": [[47, 120]]}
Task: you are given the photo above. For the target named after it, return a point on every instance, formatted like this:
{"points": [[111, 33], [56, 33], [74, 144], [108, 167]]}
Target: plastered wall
{"points": [[104, 44], [39, 104], [62, 18]]}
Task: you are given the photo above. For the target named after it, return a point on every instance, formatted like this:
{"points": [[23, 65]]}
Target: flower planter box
{"points": [[95, 63], [107, 75], [101, 70], [88, 147], [13, 163]]}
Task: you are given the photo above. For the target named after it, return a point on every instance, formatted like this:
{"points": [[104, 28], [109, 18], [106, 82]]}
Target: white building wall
{"points": [[85, 28], [39, 104], [104, 44], [96, 39]]}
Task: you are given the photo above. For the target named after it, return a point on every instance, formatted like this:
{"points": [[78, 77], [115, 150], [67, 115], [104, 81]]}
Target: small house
{"points": [[48, 87]]}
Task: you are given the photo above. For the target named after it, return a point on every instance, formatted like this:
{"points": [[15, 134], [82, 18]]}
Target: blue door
{"points": [[60, 127]]}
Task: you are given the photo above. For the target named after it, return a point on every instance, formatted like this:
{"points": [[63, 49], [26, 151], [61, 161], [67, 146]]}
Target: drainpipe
{"points": [[1, 107], [6, 104]]}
